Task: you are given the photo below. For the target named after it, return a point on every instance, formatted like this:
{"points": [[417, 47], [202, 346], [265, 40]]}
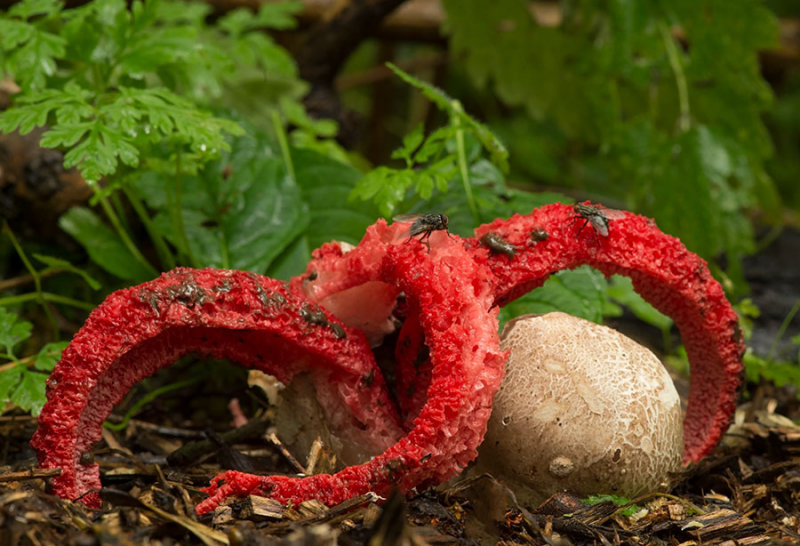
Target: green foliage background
{"points": [[193, 137]]}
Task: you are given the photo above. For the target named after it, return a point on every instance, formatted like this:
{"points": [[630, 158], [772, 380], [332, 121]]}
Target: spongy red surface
{"points": [[674, 280], [452, 292], [248, 318], [454, 296]]}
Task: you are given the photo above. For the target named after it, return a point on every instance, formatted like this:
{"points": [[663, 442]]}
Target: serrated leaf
{"points": [[32, 50], [13, 33], [9, 379], [49, 355], [64, 134], [29, 394], [236, 21], [103, 245], [425, 185], [22, 119], [154, 48], [28, 8], [13, 330], [489, 140], [273, 60], [434, 144], [278, 15], [410, 143], [32, 108]]}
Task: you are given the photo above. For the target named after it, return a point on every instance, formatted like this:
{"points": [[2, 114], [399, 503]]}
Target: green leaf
{"points": [[239, 212], [292, 261], [410, 143], [693, 218], [49, 355], [617, 500], [386, 187], [488, 140], [580, 292], [14, 33], [623, 111], [29, 51], [332, 215], [9, 379], [267, 217], [278, 15], [103, 245], [57, 263], [13, 330], [524, 62], [33, 108], [29, 394], [28, 8], [621, 290]]}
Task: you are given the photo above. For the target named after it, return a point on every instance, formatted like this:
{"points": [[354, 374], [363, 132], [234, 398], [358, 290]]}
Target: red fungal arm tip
{"points": [[248, 318], [673, 279]]}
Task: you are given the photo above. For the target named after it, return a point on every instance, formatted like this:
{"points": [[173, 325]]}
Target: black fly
{"points": [[538, 235], [595, 216], [424, 225], [592, 215]]}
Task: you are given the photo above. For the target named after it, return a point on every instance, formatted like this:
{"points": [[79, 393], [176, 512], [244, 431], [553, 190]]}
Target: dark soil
{"points": [[746, 492]]}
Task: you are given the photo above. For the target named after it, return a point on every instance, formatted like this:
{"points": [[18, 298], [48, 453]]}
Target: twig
{"points": [[272, 437], [30, 474], [22, 280]]}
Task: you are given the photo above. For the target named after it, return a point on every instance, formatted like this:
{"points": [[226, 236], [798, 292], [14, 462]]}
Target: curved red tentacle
{"points": [[248, 318]]}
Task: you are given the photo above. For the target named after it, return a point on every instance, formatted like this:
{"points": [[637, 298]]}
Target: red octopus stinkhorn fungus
{"points": [[248, 318], [673, 279], [449, 361], [523, 251], [454, 296]]}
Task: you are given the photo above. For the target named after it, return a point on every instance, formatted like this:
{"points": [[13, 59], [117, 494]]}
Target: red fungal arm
{"points": [[248, 318], [674, 280], [454, 296]]}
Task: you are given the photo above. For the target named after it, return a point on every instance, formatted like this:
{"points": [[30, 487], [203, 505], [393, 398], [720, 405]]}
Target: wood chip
{"points": [[261, 508]]}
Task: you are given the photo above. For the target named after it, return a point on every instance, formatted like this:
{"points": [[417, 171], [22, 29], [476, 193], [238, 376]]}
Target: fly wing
{"points": [[406, 218], [612, 214]]}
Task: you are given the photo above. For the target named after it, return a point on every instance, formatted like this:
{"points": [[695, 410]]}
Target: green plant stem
{"points": [[177, 212], [147, 398], [116, 203], [685, 117], [782, 330], [283, 142], [37, 281], [462, 165], [123, 235], [164, 254], [47, 296]]}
